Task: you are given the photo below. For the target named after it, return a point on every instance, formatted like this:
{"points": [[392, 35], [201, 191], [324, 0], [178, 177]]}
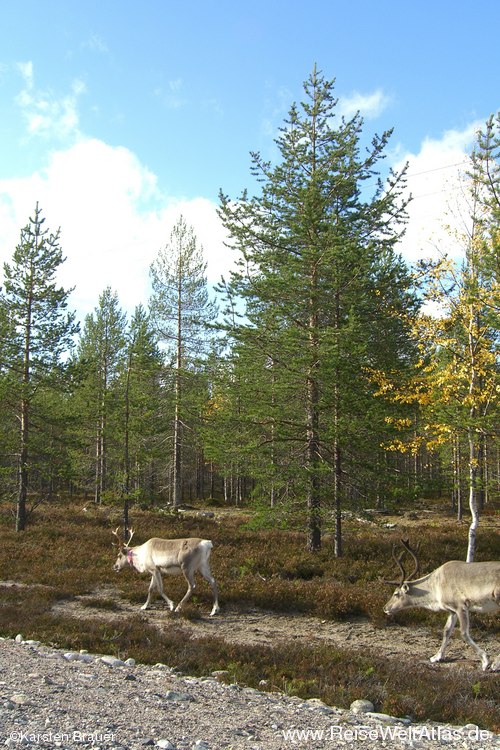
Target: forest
{"points": [[324, 376]]}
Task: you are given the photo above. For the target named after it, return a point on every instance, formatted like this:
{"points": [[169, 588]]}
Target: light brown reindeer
{"points": [[170, 556], [457, 588]]}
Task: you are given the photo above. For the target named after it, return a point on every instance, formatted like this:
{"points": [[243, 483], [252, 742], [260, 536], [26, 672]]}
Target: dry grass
{"points": [[67, 552]]}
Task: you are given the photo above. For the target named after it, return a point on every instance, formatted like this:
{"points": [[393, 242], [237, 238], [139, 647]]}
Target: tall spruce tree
{"points": [[40, 331], [318, 277], [181, 308]]}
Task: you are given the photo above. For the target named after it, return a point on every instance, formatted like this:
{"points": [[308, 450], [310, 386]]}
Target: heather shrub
{"points": [[67, 552]]}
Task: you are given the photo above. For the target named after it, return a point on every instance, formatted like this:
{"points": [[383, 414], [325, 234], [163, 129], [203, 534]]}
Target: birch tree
{"points": [[457, 384]]}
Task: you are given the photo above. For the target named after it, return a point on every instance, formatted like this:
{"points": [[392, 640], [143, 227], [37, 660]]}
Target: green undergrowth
{"points": [[67, 552], [336, 676]]}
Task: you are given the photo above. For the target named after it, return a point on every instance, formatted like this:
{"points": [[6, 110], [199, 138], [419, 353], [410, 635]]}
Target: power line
{"points": [[435, 192], [428, 171], [436, 169]]}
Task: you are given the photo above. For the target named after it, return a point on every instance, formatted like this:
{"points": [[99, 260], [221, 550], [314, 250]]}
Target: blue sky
{"points": [[117, 116]]}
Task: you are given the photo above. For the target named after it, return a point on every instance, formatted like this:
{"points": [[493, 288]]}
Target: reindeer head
{"points": [[401, 598], [123, 548]]}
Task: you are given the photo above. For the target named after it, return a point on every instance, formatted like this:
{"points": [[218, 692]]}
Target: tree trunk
{"points": [[312, 450], [126, 449], [99, 459], [23, 477], [481, 461], [474, 452], [337, 459], [177, 483], [177, 479], [337, 472], [473, 494], [457, 478], [212, 480], [23, 469]]}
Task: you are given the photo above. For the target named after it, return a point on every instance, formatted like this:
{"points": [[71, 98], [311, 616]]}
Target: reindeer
{"points": [[171, 556], [455, 587]]}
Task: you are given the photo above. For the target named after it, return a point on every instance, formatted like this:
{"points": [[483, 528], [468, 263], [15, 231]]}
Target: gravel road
{"points": [[54, 699]]}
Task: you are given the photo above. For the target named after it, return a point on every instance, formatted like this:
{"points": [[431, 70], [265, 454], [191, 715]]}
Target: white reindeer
{"points": [[456, 587], [171, 556]]}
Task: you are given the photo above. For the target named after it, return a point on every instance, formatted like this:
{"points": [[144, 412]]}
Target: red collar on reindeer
{"points": [[130, 557]]}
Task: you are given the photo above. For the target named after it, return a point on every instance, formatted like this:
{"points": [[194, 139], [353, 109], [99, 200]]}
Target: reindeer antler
{"points": [[413, 553], [398, 560], [121, 543], [115, 533], [130, 535]]}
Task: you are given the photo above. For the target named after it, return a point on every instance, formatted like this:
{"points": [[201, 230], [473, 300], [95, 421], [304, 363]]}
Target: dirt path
{"points": [[259, 627]]}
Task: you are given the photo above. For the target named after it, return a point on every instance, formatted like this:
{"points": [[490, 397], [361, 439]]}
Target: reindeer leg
{"points": [[448, 630], [463, 618], [152, 587], [159, 586], [495, 664], [207, 575], [189, 576]]}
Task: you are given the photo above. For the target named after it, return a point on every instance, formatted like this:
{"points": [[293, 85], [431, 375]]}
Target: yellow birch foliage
{"points": [[456, 382]]}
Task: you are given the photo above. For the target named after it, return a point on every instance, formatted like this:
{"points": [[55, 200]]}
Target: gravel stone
{"points": [[362, 707], [50, 701]]}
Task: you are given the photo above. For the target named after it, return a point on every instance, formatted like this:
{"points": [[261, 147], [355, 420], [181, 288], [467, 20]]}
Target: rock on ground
{"points": [[59, 699]]}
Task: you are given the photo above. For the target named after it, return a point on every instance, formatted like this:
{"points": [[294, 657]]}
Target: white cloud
{"points": [[201, 214], [435, 180], [175, 84], [113, 221], [97, 44], [26, 70], [172, 97], [369, 106], [113, 217], [277, 107], [45, 113]]}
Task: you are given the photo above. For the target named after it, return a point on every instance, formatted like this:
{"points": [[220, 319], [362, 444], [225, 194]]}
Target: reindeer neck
{"points": [[422, 591], [421, 579]]}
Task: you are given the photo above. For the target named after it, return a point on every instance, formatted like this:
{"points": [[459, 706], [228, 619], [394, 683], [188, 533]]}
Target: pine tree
{"points": [[142, 399], [101, 360], [40, 330], [181, 308], [317, 261]]}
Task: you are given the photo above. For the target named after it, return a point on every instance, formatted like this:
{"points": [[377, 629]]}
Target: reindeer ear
{"points": [[405, 588]]}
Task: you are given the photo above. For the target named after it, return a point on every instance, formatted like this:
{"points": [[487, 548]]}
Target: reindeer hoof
{"points": [[436, 658]]}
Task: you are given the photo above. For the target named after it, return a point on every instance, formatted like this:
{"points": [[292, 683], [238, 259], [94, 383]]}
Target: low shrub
{"points": [[68, 552]]}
